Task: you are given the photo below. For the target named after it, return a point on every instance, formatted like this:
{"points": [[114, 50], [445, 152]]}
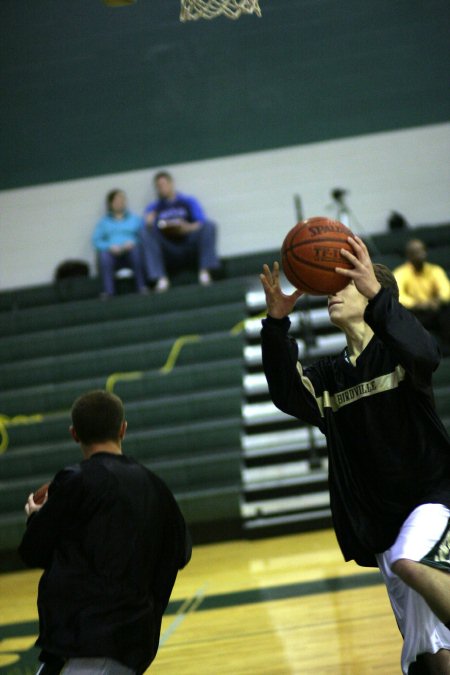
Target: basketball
{"points": [[311, 252], [39, 495]]}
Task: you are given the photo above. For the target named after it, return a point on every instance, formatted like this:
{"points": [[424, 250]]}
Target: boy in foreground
{"points": [[389, 453], [111, 539]]}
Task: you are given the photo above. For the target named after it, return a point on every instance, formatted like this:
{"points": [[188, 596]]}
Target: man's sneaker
{"points": [[204, 278], [162, 285]]}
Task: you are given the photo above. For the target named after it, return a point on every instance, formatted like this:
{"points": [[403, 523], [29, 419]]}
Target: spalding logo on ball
{"points": [[310, 253]]}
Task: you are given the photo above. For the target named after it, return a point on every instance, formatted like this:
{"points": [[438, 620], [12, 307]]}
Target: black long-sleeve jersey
{"points": [[388, 449], [111, 540]]}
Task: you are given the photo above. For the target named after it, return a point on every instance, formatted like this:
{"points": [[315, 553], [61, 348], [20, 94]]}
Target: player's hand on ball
{"points": [[362, 273], [278, 303], [31, 506]]}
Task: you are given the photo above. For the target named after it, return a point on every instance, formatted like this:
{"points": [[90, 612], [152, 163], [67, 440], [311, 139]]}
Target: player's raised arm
{"points": [[278, 303], [415, 348], [289, 391]]}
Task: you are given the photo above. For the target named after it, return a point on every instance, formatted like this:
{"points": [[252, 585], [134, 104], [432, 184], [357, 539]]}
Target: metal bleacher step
{"points": [[287, 519], [281, 495], [280, 442], [255, 384], [319, 499], [263, 413], [284, 464], [287, 474], [316, 318], [256, 301]]}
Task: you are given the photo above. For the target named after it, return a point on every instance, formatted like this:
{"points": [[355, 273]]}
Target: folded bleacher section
{"points": [[174, 361]]}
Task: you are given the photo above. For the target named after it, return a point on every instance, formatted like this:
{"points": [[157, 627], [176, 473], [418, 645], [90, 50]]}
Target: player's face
{"points": [[346, 306]]}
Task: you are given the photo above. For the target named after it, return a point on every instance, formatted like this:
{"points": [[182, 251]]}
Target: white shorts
{"points": [[421, 629], [95, 666], [92, 666]]}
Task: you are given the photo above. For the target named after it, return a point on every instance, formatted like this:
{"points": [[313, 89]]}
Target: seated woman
{"points": [[116, 240]]}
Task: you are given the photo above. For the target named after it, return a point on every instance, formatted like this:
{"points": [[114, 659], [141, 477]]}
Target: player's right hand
{"points": [[31, 506], [278, 303]]}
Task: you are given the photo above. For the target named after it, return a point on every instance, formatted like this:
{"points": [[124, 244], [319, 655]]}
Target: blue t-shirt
{"points": [[112, 231], [182, 207]]}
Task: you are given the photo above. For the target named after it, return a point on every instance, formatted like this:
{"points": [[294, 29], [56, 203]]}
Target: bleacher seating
{"points": [[206, 425], [184, 419]]}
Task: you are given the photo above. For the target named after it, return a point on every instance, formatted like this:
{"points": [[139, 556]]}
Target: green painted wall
{"points": [[89, 90]]}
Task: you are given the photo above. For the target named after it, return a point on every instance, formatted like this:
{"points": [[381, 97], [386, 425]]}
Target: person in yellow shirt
{"points": [[425, 290]]}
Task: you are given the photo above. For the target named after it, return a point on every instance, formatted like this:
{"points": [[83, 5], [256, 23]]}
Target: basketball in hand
{"points": [[39, 495], [310, 253]]}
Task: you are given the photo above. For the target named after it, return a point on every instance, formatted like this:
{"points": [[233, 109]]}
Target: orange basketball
{"points": [[311, 252], [40, 493]]}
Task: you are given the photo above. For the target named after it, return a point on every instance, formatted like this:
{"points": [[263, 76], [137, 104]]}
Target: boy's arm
{"points": [[176, 549], [291, 389], [414, 347], [416, 350], [45, 525]]}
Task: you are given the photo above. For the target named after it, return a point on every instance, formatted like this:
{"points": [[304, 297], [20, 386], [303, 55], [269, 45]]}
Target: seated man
{"points": [[175, 234], [425, 290], [116, 240]]}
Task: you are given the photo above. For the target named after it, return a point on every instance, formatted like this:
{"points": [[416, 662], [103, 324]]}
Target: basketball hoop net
{"points": [[191, 10]]}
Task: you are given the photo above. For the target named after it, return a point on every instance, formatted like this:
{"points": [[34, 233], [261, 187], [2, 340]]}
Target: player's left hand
{"points": [[362, 273]]}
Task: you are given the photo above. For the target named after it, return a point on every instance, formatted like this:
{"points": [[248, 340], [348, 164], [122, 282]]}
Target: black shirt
{"points": [[388, 450], [111, 539]]}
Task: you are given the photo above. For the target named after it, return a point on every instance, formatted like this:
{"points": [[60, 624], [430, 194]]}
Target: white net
{"points": [[191, 10]]}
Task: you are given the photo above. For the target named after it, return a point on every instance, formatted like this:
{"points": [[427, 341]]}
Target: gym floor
{"points": [[286, 605]]}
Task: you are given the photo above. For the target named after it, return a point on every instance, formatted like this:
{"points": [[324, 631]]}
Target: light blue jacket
{"points": [[111, 231]]}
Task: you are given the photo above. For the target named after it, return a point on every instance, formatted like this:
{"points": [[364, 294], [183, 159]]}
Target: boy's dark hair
{"points": [[97, 417], [110, 198], [162, 174], [386, 278]]}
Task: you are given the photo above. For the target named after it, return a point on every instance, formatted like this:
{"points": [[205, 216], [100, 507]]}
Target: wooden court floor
{"points": [[287, 605]]}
